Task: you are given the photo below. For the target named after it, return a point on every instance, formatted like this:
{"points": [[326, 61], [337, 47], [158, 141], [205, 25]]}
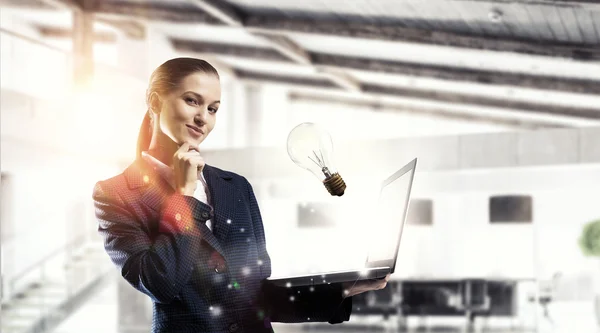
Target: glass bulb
{"points": [[311, 148]]}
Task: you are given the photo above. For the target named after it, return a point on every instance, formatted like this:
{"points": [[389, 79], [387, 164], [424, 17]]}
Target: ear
{"points": [[155, 103]]}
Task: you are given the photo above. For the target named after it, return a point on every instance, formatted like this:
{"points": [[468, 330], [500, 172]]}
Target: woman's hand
{"points": [[352, 288], [187, 162]]}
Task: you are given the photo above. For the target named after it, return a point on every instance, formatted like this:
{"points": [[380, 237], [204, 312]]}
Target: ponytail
{"points": [[144, 136]]}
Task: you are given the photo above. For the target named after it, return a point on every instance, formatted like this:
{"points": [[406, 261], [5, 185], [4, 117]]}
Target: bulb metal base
{"points": [[335, 185]]}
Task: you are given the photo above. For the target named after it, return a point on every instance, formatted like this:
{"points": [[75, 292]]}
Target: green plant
{"points": [[590, 239]]}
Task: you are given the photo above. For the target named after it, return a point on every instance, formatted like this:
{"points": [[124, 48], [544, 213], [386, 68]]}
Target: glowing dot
{"points": [[292, 298], [229, 286], [260, 262], [298, 291], [324, 281], [312, 289], [228, 221], [308, 318], [178, 217], [261, 314], [242, 230], [289, 284], [346, 292], [216, 311], [146, 179], [236, 285], [246, 270]]}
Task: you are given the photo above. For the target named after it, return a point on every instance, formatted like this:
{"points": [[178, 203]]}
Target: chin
{"points": [[196, 142]]}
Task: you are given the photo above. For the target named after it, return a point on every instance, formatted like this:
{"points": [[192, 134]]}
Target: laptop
{"points": [[390, 215]]}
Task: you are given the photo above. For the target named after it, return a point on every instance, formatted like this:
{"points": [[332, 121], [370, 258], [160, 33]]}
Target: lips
{"points": [[195, 131]]}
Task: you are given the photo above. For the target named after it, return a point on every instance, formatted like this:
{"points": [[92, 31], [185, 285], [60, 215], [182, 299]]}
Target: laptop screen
{"points": [[389, 217]]}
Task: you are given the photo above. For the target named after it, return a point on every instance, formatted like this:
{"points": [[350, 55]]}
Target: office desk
{"points": [[468, 297]]}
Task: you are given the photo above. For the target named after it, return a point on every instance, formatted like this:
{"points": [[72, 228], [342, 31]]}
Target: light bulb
{"points": [[311, 148]]}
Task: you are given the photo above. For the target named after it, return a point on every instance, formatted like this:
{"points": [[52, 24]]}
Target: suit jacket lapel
{"points": [[225, 198], [154, 190]]}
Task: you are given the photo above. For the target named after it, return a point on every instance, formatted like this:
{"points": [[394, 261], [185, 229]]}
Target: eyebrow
{"points": [[199, 96]]}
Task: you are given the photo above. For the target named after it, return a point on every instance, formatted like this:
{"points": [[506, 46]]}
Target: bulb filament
{"points": [[320, 161]]}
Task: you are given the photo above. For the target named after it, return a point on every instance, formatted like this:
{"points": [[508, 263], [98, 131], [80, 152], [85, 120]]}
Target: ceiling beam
{"points": [[377, 105], [341, 78], [64, 4], [454, 98], [231, 16], [154, 12], [284, 79], [449, 73], [26, 4], [54, 32], [266, 54], [287, 47], [42, 4], [449, 98], [561, 3], [440, 72], [220, 10], [131, 29], [279, 24]]}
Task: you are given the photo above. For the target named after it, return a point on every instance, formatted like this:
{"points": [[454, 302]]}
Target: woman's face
{"points": [[188, 114]]}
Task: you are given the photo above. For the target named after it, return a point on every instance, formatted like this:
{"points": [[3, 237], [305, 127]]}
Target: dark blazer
{"points": [[160, 243]]}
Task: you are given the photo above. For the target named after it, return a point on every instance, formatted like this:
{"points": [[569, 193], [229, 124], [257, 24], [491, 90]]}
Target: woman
{"points": [[190, 235]]}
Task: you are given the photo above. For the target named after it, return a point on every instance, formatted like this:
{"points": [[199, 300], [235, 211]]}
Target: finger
{"points": [[184, 147], [190, 153], [197, 162], [193, 148], [192, 159]]}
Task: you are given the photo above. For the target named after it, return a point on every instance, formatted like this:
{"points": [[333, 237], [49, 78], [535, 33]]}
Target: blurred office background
{"points": [[497, 99]]}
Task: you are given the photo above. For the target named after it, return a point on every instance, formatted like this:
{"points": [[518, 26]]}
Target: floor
{"points": [[567, 318], [377, 324]]}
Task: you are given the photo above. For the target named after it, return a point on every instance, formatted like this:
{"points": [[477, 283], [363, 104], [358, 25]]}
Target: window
{"points": [[420, 212], [511, 209]]}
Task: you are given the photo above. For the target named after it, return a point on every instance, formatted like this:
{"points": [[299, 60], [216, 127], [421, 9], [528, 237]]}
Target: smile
{"points": [[195, 131]]}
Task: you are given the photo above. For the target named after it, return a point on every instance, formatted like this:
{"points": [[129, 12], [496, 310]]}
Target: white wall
{"points": [[56, 144], [349, 123], [46, 186], [461, 242]]}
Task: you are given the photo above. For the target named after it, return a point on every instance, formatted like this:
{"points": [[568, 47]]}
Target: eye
{"points": [[213, 110], [192, 101]]}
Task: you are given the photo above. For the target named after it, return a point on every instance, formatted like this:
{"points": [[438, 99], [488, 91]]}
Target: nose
{"points": [[200, 117]]}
